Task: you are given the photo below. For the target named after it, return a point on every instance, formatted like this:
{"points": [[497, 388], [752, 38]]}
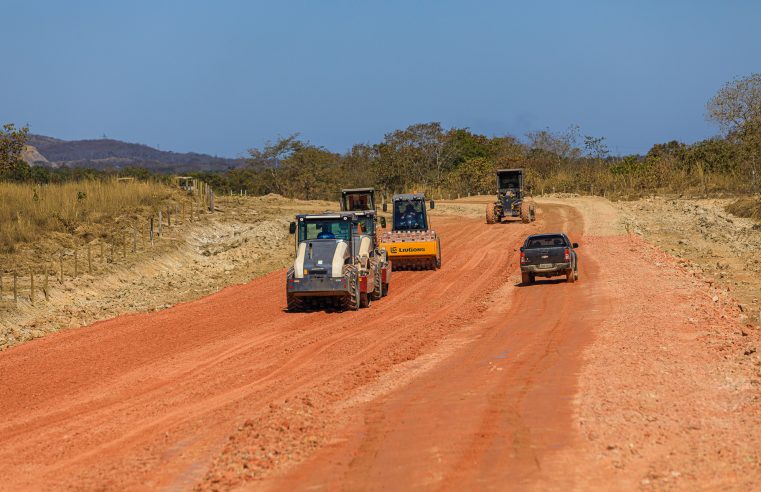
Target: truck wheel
{"points": [[525, 212], [438, 254], [576, 275], [525, 278], [570, 277], [491, 216]]}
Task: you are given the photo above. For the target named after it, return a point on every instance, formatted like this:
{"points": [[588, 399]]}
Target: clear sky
{"points": [[223, 76]]}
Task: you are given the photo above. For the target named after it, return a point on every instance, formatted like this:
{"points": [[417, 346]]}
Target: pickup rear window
{"points": [[545, 242]]}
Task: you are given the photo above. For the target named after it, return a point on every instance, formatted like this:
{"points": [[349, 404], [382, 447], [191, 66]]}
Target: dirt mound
{"points": [[721, 246]]}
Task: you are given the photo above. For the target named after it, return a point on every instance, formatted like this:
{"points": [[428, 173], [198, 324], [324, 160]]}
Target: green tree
{"points": [[561, 144], [596, 147], [266, 161], [311, 172], [474, 176], [12, 143], [414, 156], [737, 103]]}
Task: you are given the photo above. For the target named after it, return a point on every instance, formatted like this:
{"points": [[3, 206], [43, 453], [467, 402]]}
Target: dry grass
{"points": [[28, 212]]}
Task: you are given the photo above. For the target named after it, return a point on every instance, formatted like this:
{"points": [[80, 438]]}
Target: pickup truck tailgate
{"points": [[542, 256]]}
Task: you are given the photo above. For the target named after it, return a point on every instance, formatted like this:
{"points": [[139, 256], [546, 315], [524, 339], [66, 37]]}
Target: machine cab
{"points": [[409, 213], [324, 231], [509, 180], [357, 199], [322, 226]]}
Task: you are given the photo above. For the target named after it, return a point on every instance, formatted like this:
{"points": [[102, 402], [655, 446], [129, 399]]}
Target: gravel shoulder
{"points": [[669, 389]]}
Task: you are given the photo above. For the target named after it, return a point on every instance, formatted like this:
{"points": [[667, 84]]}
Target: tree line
{"points": [[442, 161]]}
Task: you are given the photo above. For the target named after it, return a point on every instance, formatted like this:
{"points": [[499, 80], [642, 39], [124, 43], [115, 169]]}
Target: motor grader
{"points": [[336, 263], [411, 244], [511, 198]]}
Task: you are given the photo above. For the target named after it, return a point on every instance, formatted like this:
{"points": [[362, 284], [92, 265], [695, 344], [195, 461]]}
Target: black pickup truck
{"points": [[549, 255]]}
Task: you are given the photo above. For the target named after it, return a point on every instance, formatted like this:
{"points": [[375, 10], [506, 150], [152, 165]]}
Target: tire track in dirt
{"points": [[489, 414], [148, 400]]}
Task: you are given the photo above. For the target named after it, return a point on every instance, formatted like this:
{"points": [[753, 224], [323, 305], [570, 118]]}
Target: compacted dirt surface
{"points": [[641, 375]]}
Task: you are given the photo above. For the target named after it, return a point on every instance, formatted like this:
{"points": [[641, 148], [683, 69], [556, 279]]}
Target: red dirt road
{"points": [[460, 378]]}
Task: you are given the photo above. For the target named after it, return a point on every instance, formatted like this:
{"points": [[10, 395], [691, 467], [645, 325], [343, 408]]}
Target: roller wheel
{"points": [[438, 254], [377, 286], [294, 303], [351, 301], [365, 300]]}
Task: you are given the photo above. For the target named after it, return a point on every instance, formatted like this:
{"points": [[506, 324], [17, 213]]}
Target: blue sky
{"points": [[224, 76]]}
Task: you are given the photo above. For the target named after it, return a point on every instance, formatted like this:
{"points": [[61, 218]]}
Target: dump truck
{"points": [[336, 264], [511, 198], [411, 244]]}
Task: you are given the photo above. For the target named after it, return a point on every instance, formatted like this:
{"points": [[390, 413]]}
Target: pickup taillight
{"points": [[523, 257], [567, 256]]}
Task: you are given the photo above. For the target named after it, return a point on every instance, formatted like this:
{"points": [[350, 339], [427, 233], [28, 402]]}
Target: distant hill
{"points": [[107, 154], [33, 157]]}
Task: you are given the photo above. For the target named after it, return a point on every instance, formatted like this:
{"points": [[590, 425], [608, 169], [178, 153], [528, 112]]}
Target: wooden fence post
{"points": [[45, 281], [76, 261], [61, 260], [31, 286], [211, 200], [151, 232], [161, 220], [15, 286], [134, 237], [169, 217], [102, 253]]}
